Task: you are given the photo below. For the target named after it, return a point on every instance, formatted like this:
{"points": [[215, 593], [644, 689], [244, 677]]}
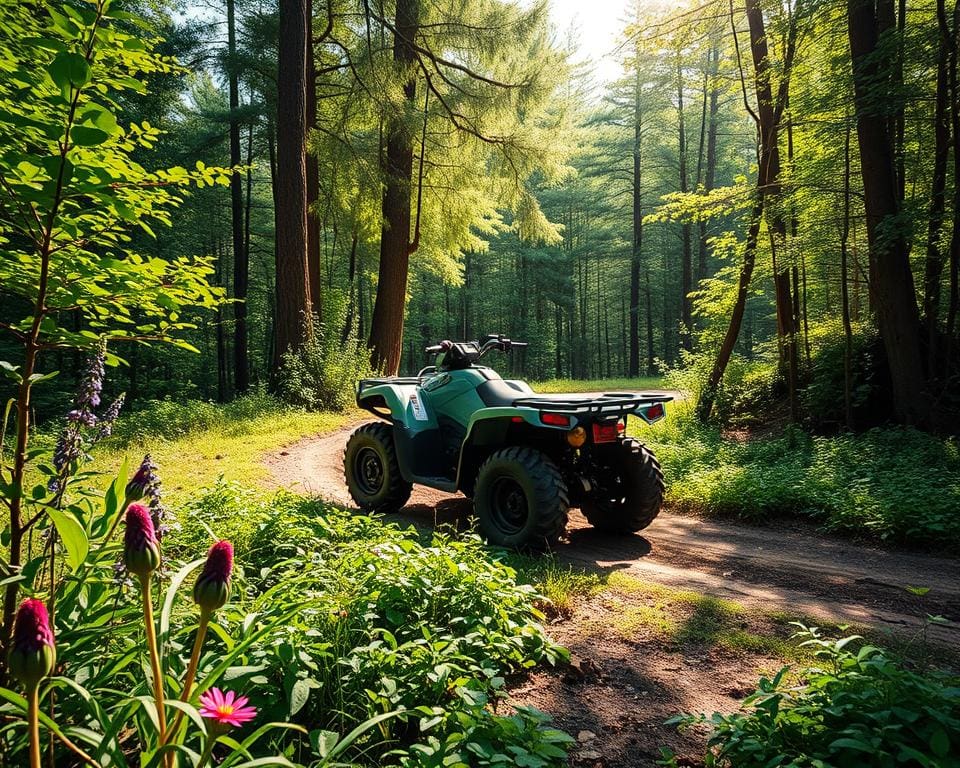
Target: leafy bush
{"points": [[891, 483], [324, 374], [168, 419], [855, 708]]}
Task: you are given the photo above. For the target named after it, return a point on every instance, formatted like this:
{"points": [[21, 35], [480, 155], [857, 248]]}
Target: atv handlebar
{"points": [[498, 341]]}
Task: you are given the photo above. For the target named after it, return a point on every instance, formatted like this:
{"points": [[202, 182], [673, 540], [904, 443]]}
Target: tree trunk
{"points": [[891, 281], [686, 263], [636, 254], [313, 176], [386, 331], [768, 113], [708, 395], [844, 292], [241, 259], [933, 270], [710, 160], [293, 323], [954, 253]]}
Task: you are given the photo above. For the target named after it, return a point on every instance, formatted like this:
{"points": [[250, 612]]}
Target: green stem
{"points": [[207, 750], [205, 614], [116, 522], [151, 631], [33, 723]]}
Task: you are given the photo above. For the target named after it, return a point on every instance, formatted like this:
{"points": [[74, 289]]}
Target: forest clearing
{"points": [[453, 383]]}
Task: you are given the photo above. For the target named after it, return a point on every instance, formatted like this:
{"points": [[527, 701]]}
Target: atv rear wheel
{"points": [[520, 499], [372, 472], [631, 491]]}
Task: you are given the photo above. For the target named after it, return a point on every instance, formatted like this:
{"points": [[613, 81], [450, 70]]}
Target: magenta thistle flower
{"points": [[212, 589], [32, 652], [141, 550], [226, 708]]}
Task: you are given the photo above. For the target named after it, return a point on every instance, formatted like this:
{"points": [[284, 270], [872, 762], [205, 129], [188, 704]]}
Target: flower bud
{"points": [[32, 652], [139, 485], [212, 589], [141, 550]]}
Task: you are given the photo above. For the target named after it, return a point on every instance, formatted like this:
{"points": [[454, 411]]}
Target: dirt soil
{"points": [[620, 690]]}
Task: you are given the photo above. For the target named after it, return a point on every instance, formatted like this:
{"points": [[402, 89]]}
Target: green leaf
{"points": [[87, 136], [167, 610], [299, 695], [69, 70], [73, 536]]}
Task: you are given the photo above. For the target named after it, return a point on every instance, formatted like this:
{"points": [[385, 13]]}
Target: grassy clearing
{"points": [[195, 443], [599, 385]]}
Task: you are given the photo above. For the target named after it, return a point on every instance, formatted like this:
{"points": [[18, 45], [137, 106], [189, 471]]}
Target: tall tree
{"points": [[891, 279], [386, 332], [293, 323], [241, 259]]}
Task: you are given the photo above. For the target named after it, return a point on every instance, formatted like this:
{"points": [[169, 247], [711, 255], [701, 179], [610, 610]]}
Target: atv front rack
{"points": [[607, 404], [367, 383]]}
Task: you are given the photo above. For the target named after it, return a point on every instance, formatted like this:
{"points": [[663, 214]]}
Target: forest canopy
{"points": [[766, 196]]}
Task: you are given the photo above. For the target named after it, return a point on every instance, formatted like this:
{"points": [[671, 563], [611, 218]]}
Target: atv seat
{"points": [[499, 393]]}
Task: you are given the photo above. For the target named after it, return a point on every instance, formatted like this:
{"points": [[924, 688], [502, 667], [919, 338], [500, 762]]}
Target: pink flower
{"points": [[226, 708]]}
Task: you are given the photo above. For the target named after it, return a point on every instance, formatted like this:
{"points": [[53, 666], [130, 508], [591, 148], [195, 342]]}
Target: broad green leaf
{"points": [[72, 534], [69, 70], [87, 136]]}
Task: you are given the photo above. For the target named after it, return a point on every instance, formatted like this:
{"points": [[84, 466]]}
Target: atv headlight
{"points": [[577, 436]]}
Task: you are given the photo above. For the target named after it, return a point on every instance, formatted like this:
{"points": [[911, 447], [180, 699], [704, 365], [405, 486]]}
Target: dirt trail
{"points": [[785, 566]]}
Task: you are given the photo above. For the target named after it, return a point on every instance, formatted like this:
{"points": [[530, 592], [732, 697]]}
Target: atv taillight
{"points": [[605, 433], [653, 413], [555, 419]]}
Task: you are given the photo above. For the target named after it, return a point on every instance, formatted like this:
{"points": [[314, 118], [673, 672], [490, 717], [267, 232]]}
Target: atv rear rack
{"points": [[607, 404]]}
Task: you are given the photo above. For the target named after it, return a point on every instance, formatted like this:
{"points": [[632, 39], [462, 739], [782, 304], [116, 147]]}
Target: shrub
{"points": [[858, 708], [324, 373], [892, 483]]}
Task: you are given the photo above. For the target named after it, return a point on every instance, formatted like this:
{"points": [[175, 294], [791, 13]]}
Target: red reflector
{"points": [[654, 412], [517, 419], [555, 419], [605, 433], [621, 426]]}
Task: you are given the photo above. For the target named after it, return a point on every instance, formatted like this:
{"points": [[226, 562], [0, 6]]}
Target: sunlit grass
{"points": [[227, 442], [599, 385]]}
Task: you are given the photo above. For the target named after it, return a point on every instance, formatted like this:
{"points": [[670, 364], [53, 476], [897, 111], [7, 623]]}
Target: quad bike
{"points": [[523, 458]]}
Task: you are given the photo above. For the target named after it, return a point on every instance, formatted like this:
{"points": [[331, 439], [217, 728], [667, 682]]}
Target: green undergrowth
{"points": [[892, 484], [344, 618], [852, 704], [195, 442]]}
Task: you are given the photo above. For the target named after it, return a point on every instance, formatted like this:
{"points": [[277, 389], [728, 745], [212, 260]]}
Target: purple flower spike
{"points": [[141, 550], [32, 653], [212, 589]]}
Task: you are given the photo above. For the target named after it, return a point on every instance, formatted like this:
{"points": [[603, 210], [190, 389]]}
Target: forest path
{"points": [[784, 566]]}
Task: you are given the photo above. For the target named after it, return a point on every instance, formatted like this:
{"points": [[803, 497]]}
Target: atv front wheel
{"points": [[520, 499], [372, 472], [631, 489]]}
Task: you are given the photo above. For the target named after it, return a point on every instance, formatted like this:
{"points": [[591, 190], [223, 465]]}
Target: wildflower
{"points": [[145, 478], [90, 388], [212, 589], [32, 652], [226, 708], [109, 416], [141, 550]]}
